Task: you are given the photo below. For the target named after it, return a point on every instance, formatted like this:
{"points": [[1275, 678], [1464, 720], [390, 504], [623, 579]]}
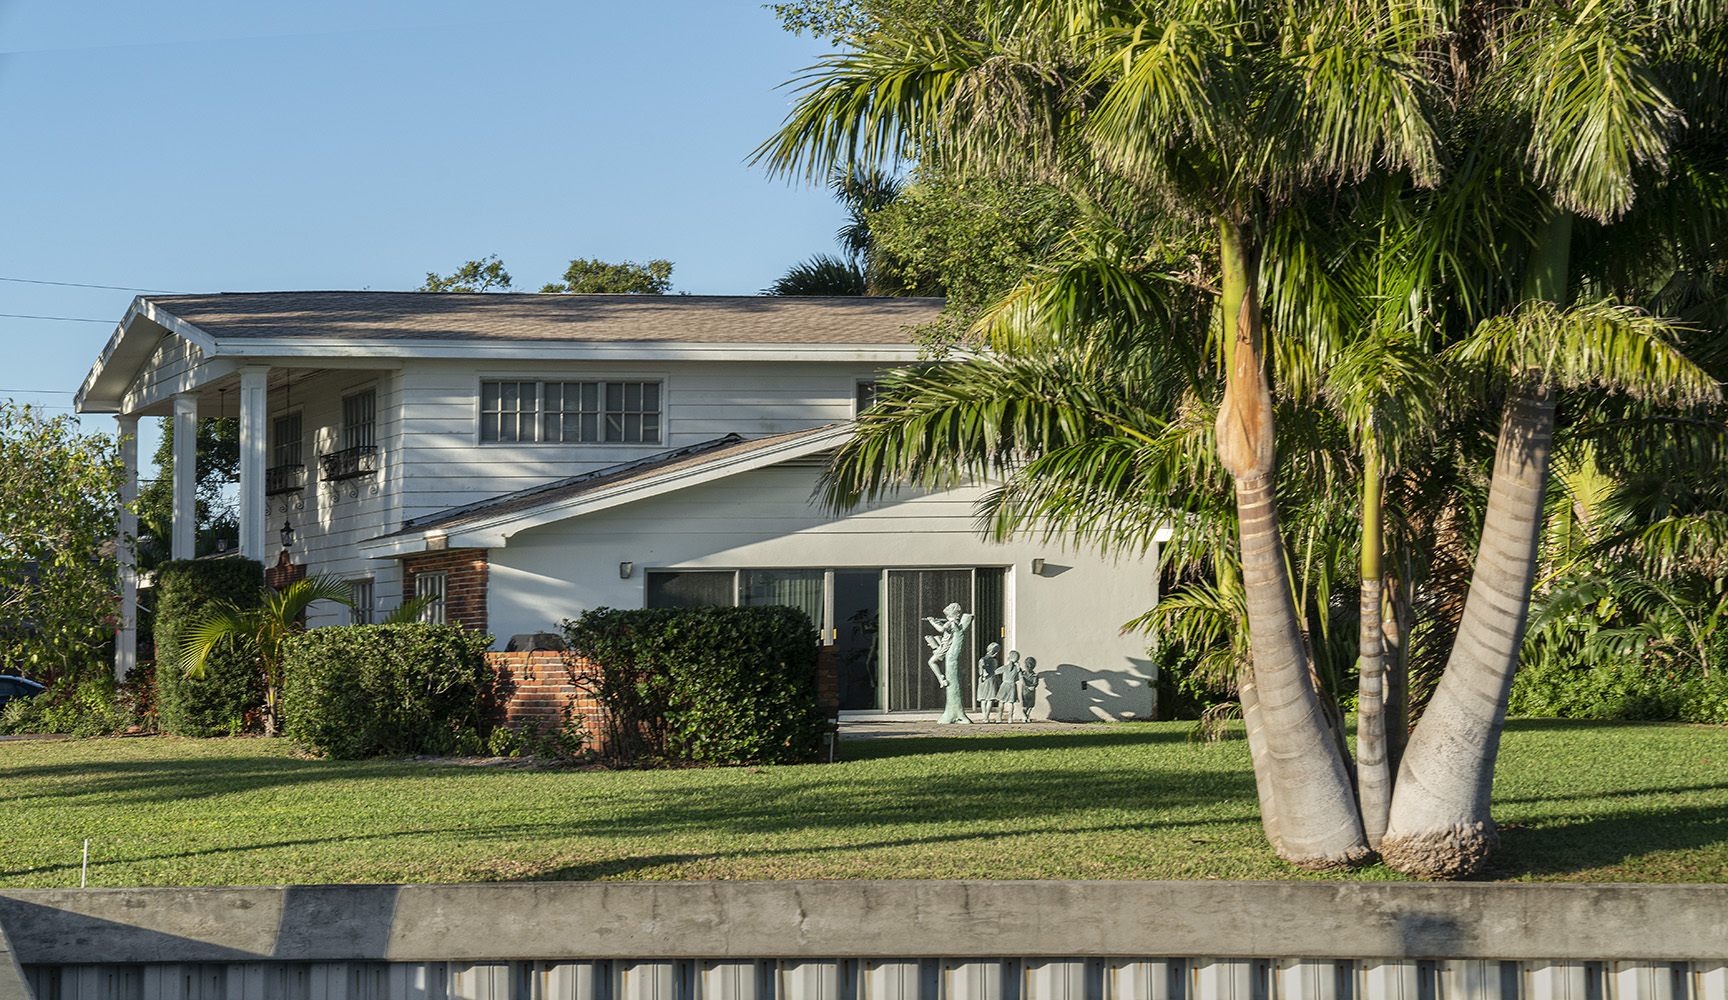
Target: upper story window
{"points": [[617, 412], [360, 419], [864, 396], [286, 432]]}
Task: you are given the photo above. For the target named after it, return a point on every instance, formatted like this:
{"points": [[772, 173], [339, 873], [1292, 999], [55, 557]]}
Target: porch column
{"points": [[185, 532], [126, 637], [254, 412]]}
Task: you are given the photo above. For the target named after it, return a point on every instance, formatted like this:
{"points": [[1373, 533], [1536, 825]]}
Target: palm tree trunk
{"points": [[1373, 777], [1317, 822], [1255, 727], [1440, 826]]}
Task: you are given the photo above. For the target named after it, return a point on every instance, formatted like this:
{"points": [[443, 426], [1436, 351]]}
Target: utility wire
{"points": [[44, 392], [80, 284], [66, 319]]}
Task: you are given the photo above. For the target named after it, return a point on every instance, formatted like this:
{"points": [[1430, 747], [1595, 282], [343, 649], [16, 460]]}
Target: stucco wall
{"points": [[1068, 618]]}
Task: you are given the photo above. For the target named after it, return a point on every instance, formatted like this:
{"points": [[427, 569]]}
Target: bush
{"points": [[231, 692], [91, 708], [1707, 699], [387, 690], [710, 685], [1624, 690]]}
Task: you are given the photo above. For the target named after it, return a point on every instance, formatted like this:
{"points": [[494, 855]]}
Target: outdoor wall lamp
{"points": [[287, 534], [1037, 567], [625, 569]]}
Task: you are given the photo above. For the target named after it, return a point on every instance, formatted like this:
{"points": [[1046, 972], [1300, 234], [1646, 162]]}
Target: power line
{"points": [[65, 319], [80, 284], [44, 392]]}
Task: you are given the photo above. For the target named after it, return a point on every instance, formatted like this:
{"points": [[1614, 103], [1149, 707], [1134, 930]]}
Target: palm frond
{"points": [[1590, 344], [204, 633], [1589, 103]]}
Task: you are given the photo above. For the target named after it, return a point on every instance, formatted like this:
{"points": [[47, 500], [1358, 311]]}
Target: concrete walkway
{"points": [[879, 729]]}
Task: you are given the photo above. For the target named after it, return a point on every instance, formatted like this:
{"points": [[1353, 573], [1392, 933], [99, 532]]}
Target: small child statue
{"points": [[988, 693], [1028, 688], [1010, 674]]}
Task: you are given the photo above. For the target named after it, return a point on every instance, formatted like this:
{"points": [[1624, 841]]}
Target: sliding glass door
{"points": [[874, 617]]}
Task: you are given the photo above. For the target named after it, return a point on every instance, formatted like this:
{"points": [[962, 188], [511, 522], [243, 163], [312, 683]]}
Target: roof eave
{"points": [[488, 533]]}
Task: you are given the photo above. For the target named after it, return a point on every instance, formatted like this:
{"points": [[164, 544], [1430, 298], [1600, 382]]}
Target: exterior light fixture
{"points": [[287, 534], [1037, 567], [625, 569]]}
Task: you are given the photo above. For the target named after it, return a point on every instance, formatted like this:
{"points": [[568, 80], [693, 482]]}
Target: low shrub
{"points": [[1707, 699], [387, 690], [1625, 690], [709, 685], [92, 707], [230, 695]]}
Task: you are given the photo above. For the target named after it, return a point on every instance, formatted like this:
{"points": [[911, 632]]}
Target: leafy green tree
{"points": [[59, 525], [264, 628], [218, 514], [483, 275], [597, 277]]}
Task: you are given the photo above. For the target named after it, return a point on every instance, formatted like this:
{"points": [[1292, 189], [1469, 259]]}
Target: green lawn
{"points": [[1576, 801]]}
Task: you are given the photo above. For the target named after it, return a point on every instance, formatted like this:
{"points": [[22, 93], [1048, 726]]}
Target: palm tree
{"points": [[1228, 116], [264, 627], [1580, 111], [1241, 123]]}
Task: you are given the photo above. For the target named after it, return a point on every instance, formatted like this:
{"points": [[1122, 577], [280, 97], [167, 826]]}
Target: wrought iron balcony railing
{"points": [[284, 479], [350, 463]]}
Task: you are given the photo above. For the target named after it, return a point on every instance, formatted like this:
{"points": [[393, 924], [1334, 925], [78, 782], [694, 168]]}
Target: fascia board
{"points": [[127, 332], [542, 350], [394, 547]]}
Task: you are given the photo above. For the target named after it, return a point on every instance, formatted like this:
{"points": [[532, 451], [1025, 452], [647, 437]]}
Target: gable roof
{"points": [[386, 316], [490, 523], [273, 327]]}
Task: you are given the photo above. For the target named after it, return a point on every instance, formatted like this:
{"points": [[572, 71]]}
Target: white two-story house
{"points": [[523, 458]]}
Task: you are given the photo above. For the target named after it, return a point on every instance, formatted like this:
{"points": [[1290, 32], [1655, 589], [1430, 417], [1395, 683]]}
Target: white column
{"points": [[185, 533], [126, 638], [254, 413]]}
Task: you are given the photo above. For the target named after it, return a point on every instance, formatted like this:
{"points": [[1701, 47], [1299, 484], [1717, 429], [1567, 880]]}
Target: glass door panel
{"points": [[858, 619], [914, 595]]}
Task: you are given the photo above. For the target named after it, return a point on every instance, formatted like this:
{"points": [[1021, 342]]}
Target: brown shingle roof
{"points": [[664, 463], [751, 319]]}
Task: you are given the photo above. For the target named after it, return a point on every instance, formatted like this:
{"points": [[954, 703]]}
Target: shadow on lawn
{"points": [[1610, 842]]}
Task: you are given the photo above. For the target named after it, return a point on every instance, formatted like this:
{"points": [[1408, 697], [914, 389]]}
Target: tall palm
{"points": [[1580, 110], [265, 627], [1229, 115]]}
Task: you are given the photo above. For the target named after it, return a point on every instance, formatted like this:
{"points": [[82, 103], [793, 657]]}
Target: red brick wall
{"points": [[536, 686], [464, 583], [828, 680]]}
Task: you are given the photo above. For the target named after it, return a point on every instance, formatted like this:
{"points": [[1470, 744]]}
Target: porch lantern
{"points": [[287, 534]]}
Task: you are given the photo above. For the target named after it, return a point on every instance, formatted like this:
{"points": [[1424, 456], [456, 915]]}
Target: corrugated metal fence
{"points": [[887, 979], [869, 941]]}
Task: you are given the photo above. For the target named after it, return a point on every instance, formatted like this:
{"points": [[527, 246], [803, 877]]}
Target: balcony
{"points": [[284, 479], [349, 463]]}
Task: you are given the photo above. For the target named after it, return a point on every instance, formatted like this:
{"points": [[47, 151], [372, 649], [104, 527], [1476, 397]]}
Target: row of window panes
{"points": [[799, 588], [625, 412]]}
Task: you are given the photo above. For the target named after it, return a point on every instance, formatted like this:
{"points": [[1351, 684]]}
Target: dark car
{"points": [[17, 687]]}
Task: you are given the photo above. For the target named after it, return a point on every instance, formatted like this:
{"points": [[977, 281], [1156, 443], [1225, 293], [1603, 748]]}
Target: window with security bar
{"points": [[359, 420], [513, 412], [431, 585]]}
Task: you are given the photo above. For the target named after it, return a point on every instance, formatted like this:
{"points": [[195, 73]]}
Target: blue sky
{"points": [[228, 145]]}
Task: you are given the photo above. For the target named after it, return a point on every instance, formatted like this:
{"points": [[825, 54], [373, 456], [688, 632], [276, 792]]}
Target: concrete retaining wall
{"points": [[983, 939]]}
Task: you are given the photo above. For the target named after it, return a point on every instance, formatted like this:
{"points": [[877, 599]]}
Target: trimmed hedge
{"points": [[387, 690], [231, 691], [709, 685]]}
